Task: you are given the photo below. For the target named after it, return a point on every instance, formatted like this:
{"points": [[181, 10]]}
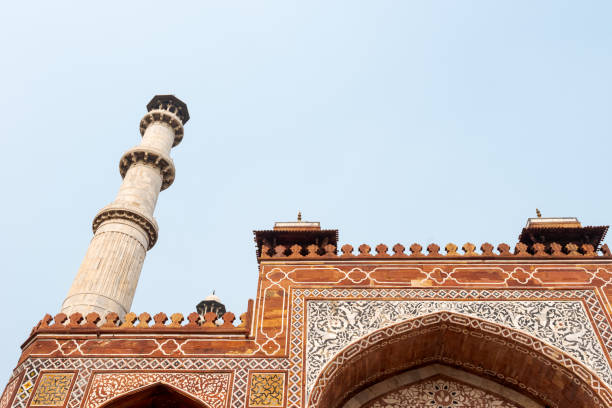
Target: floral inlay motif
{"points": [[332, 325], [210, 388]]}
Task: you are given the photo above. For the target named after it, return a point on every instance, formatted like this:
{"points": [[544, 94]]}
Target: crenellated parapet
{"points": [[451, 250], [145, 323]]}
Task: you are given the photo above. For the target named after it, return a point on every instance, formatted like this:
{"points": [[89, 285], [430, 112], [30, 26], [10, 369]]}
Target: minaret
{"points": [[126, 229]]}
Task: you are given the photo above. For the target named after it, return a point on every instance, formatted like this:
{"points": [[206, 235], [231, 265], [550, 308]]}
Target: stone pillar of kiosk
{"points": [[126, 229]]}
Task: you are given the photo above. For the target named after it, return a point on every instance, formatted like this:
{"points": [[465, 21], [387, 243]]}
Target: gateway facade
{"points": [[332, 326]]}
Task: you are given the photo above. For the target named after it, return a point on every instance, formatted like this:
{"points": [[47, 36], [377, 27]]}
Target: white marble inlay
{"points": [[334, 324]]}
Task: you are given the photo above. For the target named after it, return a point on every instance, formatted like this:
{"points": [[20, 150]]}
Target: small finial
{"points": [[538, 213], [299, 216], [213, 291]]}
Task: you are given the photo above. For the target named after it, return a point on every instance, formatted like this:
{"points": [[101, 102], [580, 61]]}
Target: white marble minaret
{"points": [[126, 229]]}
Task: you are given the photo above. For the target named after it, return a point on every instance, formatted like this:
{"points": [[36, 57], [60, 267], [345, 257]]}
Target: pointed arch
{"points": [[437, 383], [156, 395], [487, 349]]}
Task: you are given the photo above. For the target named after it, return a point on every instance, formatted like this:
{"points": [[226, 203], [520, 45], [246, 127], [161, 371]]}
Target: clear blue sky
{"points": [[393, 121]]}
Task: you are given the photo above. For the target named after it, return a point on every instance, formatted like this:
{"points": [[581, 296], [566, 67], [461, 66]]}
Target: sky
{"points": [[392, 121]]}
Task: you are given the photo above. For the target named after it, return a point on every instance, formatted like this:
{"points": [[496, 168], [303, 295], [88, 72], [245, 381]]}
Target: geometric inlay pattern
{"points": [[210, 388], [52, 390], [334, 324], [440, 393], [267, 390]]}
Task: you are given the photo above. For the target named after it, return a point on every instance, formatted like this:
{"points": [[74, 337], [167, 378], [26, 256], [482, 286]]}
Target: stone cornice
{"points": [[160, 115], [111, 212], [152, 157]]}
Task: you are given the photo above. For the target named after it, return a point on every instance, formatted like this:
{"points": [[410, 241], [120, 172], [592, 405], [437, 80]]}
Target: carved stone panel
{"points": [[334, 324], [52, 389], [210, 388]]}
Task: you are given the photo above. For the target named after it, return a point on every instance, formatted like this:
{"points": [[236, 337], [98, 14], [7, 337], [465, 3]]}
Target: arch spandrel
{"points": [[197, 389], [157, 395], [487, 349], [565, 324]]}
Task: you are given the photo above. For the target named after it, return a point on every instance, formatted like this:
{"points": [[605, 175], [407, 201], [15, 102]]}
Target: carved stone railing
{"points": [[487, 250], [144, 323]]}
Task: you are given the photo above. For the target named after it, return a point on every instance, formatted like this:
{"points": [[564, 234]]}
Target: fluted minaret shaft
{"points": [[126, 229]]}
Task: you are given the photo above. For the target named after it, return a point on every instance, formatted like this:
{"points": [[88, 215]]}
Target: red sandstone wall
{"points": [[264, 339]]}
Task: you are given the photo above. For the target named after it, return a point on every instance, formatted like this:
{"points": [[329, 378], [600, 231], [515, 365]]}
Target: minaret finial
{"points": [[538, 213], [299, 216]]}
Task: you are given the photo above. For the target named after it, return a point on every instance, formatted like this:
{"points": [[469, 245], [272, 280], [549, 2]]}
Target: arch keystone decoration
{"points": [[487, 349]]}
